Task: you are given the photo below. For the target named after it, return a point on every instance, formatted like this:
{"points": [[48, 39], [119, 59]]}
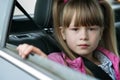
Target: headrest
{"points": [[43, 13], [117, 26]]}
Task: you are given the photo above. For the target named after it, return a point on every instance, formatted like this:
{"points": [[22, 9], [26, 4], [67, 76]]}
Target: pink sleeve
{"points": [[57, 57]]}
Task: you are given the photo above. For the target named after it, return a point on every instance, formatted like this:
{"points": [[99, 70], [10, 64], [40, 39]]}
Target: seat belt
{"points": [[24, 12], [96, 70], [19, 6]]}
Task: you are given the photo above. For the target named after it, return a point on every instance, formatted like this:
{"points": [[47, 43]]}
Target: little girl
{"points": [[86, 34]]}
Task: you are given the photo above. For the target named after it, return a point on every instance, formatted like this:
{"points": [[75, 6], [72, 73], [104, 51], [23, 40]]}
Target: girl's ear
{"points": [[62, 32]]}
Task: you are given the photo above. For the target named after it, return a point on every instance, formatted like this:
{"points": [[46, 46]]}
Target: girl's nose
{"points": [[83, 34]]}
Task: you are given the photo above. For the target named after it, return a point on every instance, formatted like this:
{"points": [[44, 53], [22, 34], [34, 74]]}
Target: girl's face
{"points": [[82, 40]]}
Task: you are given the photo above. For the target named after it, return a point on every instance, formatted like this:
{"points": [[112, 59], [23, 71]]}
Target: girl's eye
{"points": [[74, 29], [92, 28]]}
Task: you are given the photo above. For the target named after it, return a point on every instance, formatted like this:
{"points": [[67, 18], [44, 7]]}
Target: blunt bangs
{"points": [[87, 14]]}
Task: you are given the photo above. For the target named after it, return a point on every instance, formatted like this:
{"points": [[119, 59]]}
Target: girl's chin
{"points": [[82, 52]]}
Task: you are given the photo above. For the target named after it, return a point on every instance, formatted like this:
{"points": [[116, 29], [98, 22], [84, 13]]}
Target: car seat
{"points": [[116, 9], [42, 38], [117, 26]]}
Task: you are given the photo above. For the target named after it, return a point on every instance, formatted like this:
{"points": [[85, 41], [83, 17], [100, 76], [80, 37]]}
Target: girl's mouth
{"points": [[84, 46]]}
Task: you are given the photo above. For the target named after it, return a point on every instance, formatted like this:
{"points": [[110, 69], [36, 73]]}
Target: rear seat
{"points": [[116, 8], [43, 38], [117, 26]]}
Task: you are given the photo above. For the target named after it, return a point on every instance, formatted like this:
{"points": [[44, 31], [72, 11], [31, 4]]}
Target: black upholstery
{"points": [[116, 9], [43, 13], [117, 26], [42, 38]]}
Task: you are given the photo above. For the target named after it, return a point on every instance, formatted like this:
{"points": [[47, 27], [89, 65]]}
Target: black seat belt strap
{"points": [[96, 70], [24, 12]]}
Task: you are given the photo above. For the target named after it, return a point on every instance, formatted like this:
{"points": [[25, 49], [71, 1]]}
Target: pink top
{"points": [[78, 64]]}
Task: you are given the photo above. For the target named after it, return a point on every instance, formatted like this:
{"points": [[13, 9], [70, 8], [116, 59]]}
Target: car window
{"points": [[28, 5], [12, 71]]}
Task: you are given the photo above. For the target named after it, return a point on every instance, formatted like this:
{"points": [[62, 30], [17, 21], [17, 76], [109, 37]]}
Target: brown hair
{"points": [[109, 31], [88, 12]]}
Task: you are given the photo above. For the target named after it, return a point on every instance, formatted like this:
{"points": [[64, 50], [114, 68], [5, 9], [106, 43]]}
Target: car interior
{"points": [[116, 9], [39, 31]]}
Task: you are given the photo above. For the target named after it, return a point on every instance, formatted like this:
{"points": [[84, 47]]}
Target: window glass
{"points": [[28, 5]]}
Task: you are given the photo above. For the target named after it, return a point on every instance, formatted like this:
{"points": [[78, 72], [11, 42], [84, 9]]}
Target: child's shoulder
{"points": [[107, 53], [57, 57], [55, 54]]}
